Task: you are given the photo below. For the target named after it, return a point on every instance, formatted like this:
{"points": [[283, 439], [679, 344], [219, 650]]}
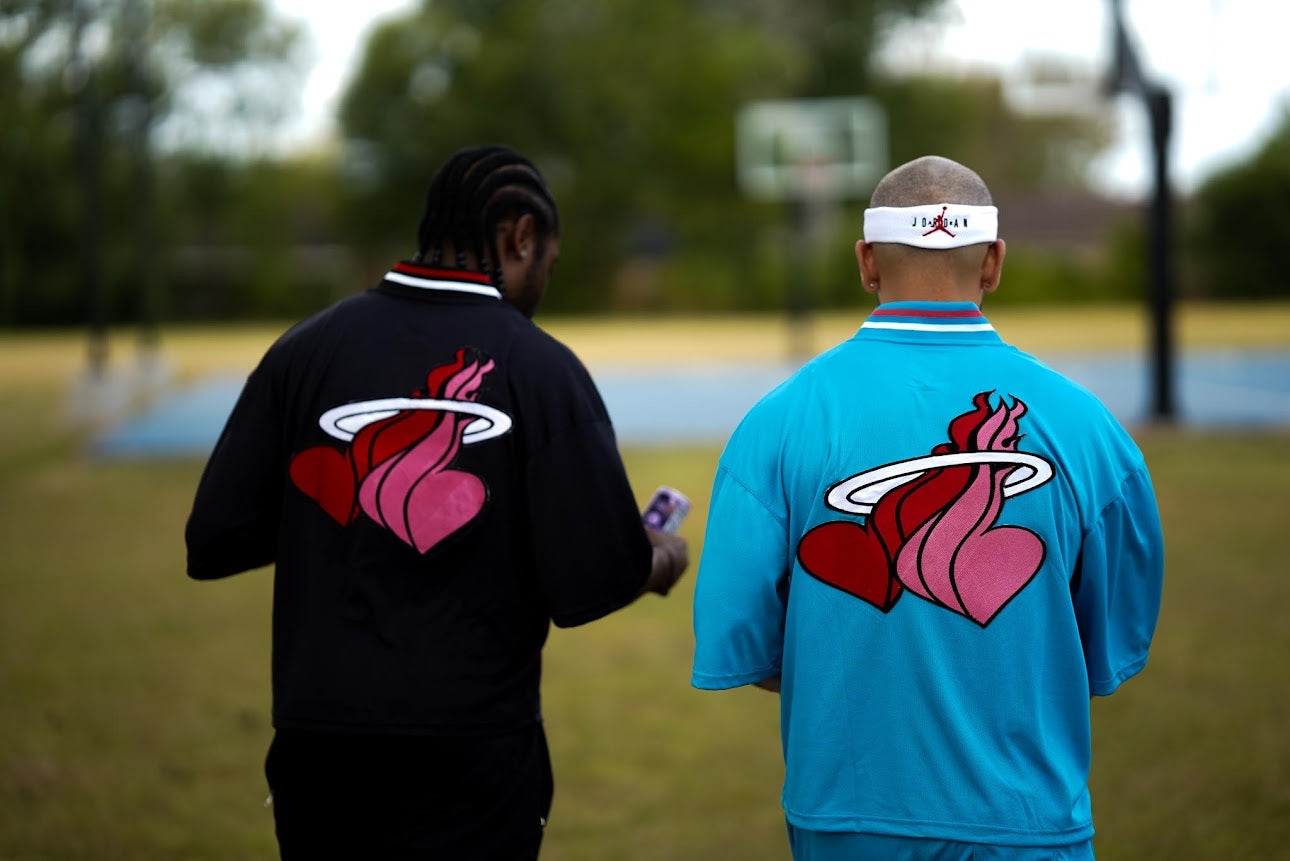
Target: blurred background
{"points": [[182, 179], [186, 160]]}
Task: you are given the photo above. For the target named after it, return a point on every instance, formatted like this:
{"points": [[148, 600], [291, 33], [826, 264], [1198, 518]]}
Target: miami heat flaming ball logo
{"points": [[397, 468], [931, 522]]}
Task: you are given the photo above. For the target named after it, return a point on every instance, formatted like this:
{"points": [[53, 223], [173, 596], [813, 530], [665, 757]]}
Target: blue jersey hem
{"points": [[1100, 688], [956, 831], [723, 682]]}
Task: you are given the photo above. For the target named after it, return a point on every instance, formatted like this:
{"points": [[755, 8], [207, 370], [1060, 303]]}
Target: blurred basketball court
{"points": [[701, 404]]}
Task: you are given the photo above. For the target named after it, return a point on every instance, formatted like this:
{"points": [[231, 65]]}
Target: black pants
{"points": [[392, 797]]}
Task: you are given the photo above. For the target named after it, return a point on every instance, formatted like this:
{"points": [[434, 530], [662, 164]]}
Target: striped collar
{"points": [[447, 280], [929, 321]]}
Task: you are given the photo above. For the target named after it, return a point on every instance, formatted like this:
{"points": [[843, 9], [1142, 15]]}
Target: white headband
{"points": [[932, 225]]}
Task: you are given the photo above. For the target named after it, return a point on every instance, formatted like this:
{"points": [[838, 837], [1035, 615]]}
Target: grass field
{"points": [[134, 703]]}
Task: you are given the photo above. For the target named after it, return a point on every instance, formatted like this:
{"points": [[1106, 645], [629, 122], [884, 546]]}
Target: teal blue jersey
{"points": [[943, 548]]}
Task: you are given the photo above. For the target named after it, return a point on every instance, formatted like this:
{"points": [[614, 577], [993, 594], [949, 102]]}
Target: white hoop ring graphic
{"points": [[344, 421], [859, 493]]}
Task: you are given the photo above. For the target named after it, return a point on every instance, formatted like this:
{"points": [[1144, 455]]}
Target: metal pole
{"points": [[800, 285], [1126, 75], [89, 163], [1160, 106], [135, 16]]}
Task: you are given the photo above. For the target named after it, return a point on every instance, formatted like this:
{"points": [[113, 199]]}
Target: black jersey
{"points": [[435, 479]]}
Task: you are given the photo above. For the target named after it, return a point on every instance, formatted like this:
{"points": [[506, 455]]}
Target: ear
{"points": [[517, 240], [870, 278], [992, 266]]}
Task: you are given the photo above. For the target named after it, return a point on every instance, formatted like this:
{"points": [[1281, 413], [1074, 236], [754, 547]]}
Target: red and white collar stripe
{"points": [[451, 280]]}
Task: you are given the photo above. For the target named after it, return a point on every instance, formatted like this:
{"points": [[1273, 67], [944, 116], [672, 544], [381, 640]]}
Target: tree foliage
{"points": [[87, 89], [597, 93], [1240, 224], [969, 120], [627, 105], [837, 38]]}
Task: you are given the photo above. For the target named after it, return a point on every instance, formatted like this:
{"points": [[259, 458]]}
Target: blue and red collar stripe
{"points": [[959, 313], [450, 280], [926, 317]]}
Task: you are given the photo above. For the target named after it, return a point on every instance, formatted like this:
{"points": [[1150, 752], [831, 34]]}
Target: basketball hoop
{"points": [[828, 149]]}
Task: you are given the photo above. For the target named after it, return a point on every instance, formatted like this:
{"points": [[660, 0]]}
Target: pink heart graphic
{"points": [[440, 504], [994, 568], [957, 561], [421, 508]]}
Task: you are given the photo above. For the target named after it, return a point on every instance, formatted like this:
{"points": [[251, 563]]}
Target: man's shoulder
{"points": [[342, 310], [1078, 425], [1057, 383], [537, 352]]}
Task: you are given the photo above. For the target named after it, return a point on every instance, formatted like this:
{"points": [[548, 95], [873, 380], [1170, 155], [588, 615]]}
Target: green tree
{"points": [[969, 120], [253, 237], [627, 105], [89, 89], [837, 39], [1239, 224]]}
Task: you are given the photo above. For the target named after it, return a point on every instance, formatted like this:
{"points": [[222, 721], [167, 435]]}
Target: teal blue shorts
{"points": [[848, 846]]}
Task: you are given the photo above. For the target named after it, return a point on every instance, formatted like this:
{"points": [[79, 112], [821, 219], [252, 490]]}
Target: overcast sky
{"points": [[1223, 59]]}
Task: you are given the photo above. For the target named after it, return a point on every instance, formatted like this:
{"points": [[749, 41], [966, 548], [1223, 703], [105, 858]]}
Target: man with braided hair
{"points": [[936, 549], [436, 480]]}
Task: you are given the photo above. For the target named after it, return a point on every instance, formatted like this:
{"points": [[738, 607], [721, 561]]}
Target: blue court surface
{"points": [[702, 404]]}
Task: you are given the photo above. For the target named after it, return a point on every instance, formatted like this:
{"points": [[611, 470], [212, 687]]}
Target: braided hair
{"points": [[475, 191]]}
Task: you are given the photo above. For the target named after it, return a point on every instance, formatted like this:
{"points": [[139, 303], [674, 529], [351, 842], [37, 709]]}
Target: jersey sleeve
{"points": [[590, 548], [1118, 590], [739, 593], [233, 525]]}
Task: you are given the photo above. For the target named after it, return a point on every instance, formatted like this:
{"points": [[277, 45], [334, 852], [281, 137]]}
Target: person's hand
{"points": [[671, 558]]}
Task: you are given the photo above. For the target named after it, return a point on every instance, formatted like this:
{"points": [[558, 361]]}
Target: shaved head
{"points": [[931, 179], [896, 271]]}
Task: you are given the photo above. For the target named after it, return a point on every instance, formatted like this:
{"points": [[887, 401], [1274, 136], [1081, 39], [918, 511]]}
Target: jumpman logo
{"points": [[938, 223]]}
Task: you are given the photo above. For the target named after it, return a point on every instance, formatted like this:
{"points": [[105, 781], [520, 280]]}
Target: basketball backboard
{"points": [[811, 148]]}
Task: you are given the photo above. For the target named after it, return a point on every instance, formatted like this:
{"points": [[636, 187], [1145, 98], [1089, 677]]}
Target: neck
{"points": [[930, 291]]}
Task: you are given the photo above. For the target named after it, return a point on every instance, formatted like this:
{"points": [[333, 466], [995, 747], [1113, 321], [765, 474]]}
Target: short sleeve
{"points": [[590, 549], [233, 525], [739, 590], [1119, 583]]}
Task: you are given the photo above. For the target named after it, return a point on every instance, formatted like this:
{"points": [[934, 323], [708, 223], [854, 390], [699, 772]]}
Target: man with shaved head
{"points": [[936, 549]]}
